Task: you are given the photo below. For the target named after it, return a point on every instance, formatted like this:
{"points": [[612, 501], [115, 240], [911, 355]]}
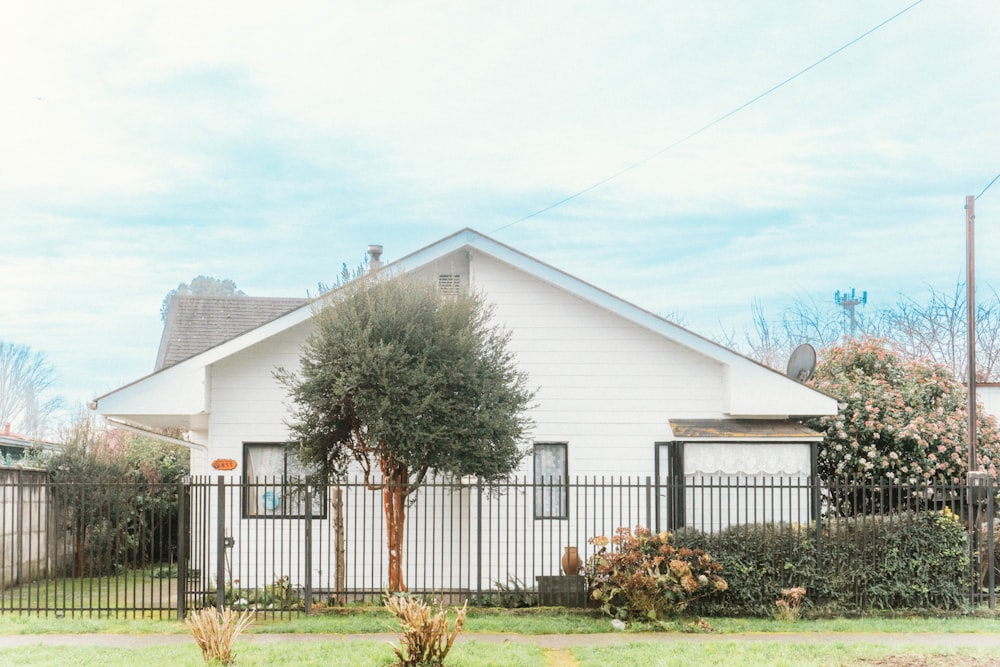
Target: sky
{"points": [[706, 154]]}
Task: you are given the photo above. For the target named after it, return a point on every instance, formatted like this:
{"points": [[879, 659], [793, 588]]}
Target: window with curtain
{"points": [[274, 483], [551, 480]]}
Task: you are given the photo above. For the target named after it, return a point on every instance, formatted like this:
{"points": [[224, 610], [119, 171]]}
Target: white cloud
{"points": [[145, 143]]}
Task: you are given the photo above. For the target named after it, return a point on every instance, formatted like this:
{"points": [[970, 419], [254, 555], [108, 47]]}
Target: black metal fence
{"points": [[290, 548], [88, 549]]}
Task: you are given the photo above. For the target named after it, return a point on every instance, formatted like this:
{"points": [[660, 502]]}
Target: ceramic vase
{"points": [[571, 561]]}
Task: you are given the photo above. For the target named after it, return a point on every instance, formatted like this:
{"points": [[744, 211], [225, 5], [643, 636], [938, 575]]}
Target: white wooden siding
{"points": [[605, 385]]}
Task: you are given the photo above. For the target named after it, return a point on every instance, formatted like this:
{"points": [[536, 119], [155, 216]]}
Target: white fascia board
{"points": [[182, 389], [756, 391], [181, 392]]}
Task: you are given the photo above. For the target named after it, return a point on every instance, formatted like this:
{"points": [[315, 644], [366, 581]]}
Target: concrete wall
{"points": [[24, 525]]}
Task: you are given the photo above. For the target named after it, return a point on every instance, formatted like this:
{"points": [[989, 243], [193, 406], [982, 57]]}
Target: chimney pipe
{"points": [[6, 428], [374, 258]]}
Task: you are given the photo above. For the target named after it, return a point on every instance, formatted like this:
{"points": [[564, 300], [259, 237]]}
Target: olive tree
{"points": [[403, 381]]}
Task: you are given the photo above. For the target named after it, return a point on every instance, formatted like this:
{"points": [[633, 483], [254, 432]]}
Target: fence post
{"points": [[649, 502], [990, 555], [479, 541], [182, 547], [814, 482], [309, 546], [220, 546]]}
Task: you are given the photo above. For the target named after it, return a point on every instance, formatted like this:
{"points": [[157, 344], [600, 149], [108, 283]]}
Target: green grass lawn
{"points": [[528, 622], [133, 590], [637, 649], [483, 654]]}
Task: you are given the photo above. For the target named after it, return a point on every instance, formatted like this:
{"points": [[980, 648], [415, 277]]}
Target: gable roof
{"points": [[198, 323], [752, 385]]}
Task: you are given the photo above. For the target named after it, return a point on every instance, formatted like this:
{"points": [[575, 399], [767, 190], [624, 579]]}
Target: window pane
{"points": [[551, 485], [265, 467], [275, 483]]}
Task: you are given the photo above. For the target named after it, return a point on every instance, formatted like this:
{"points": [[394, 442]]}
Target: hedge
{"points": [[908, 560]]}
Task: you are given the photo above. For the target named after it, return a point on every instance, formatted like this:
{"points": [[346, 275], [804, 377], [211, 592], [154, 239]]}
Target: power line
{"points": [[988, 186], [715, 122]]}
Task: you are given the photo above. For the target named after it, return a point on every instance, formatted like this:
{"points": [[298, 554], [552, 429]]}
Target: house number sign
{"points": [[224, 464]]}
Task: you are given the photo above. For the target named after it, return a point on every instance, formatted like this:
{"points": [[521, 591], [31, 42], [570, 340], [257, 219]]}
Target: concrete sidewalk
{"points": [[559, 641]]}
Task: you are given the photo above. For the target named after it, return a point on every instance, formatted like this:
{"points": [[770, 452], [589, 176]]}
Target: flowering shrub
{"points": [[643, 576], [904, 420]]}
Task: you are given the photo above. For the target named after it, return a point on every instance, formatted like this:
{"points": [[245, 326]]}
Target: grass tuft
{"points": [[216, 632]]}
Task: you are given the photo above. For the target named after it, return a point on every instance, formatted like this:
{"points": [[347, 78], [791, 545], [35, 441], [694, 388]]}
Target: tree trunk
{"points": [[341, 558], [396, 478]]}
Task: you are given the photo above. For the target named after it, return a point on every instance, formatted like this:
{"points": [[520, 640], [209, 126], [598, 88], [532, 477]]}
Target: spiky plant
{"points": [[217, 632]]}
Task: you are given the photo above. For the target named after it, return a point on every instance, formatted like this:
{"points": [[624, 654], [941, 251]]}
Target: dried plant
{"points": [[789, 607], [426, 638], [216, 632]]}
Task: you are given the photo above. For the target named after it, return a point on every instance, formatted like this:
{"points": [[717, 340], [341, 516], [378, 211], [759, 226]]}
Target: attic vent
{"points": [[449, 283]]}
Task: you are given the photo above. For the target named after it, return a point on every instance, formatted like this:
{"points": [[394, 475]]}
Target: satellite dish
{"points": [[802, 363]]}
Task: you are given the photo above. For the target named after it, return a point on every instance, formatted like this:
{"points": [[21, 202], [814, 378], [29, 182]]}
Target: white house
{"points": [[621, 392]]}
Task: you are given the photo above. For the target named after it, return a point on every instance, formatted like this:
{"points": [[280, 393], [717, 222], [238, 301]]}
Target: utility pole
{"points": [[849, 302], [970, 298]]}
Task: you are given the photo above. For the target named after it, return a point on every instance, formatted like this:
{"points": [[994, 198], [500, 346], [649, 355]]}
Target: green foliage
{"points": [[281, 595], [903, 419], [759, 560], [644, 577], [515, 594], [398, 373], [907, 560], [201, 286], [117, 496]]}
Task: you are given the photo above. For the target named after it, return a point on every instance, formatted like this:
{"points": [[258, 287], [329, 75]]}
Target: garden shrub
{"points": [[643, 576], [759, 560], [215, 633], [907, 560], [425, 636]]}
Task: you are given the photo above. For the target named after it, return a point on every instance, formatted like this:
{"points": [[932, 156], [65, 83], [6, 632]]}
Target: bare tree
{"points": [[805, 321], [933, 329], [26, 379], [937, 330]]}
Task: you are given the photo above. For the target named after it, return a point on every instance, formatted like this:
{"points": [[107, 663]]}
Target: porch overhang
{"points": [[742, 430]]}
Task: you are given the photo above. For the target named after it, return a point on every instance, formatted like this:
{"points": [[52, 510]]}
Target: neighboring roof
{"points": [[12, 442], [198, 323], [741, 429]]}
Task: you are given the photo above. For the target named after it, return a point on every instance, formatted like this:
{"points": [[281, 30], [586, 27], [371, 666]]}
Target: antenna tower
{"points": [[849, 302]]}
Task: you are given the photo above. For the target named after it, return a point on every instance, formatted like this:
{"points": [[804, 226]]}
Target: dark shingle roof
{"points": [[197, 323]]}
